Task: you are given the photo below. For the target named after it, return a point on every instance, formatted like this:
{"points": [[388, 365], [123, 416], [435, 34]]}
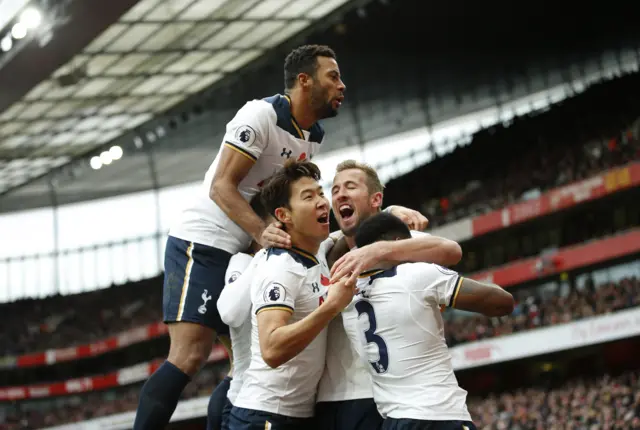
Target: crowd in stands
{"points": [[35, 325], [603, 403], [533, 311], [574, 140], [71, 409]]}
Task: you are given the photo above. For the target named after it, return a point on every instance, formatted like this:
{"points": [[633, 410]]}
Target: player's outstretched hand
{"points": [[354, 262], [341, 293], [275, 236], [413, 219]]}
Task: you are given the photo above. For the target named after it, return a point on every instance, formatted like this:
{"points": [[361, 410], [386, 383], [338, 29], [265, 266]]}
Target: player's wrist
{"points": [[332, 306]]}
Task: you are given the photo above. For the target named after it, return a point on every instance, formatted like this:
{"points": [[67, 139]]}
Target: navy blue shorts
{"points": [[193, 280], [226, 411], [360, 414], [411, 424], [250, 419]]}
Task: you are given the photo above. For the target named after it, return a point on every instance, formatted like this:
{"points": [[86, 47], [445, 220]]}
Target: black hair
{"points": [[304, 59], [277, 191], [382, 226], [258, 207]]}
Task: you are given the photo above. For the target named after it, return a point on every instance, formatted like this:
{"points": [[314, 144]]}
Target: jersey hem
{"points": [[275, 410]]}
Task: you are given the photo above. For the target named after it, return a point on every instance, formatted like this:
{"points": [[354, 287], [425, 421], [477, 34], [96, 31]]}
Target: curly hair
{"points": [[304, 59]]}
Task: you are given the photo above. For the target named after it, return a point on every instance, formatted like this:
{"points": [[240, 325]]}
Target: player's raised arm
{"points": [[274, 304], [244, 141], [393, 250]]}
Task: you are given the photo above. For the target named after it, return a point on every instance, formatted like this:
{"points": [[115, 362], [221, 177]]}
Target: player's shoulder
{"points": [[258, 109], [289, 260], [423, 269], [281, 107]]}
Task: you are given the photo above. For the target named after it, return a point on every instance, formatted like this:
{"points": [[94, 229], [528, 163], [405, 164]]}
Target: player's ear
{"points": [[304, 80], [375, 200], [283, 215]]}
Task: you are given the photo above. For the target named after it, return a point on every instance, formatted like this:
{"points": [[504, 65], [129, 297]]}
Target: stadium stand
{"points": [[121, 311], [571, 141], [543, 203], [606, 402]]}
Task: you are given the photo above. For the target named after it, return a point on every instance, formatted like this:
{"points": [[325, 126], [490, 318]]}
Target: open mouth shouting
{"points": [[324, 218], [346, 212]]}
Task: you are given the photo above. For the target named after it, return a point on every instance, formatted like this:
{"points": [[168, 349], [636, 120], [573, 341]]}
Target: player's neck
{"points": [[304, 243], [300, 110], [351, 241]]}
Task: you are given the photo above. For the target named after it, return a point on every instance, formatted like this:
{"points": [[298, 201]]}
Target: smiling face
{"points": [[352, 201], [307, 215]]}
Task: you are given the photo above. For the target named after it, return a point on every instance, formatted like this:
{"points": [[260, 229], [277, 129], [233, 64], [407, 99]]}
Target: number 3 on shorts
{"points": [[382, 364]]}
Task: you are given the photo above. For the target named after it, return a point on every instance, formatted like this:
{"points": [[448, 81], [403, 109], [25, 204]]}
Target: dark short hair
{"points": [[382, 226], [258, 207], [277, 191], [304, 59]]}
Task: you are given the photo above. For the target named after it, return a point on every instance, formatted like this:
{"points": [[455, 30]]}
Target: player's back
{"points": [[265, 132], [296, 282], [402, 331]]}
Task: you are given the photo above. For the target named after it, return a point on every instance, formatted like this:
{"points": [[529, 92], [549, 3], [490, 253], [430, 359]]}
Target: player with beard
{"points": [[218, 222], [345, 394]]}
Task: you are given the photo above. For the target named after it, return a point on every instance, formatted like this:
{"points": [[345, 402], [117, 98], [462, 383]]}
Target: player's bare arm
{"points": [[281, 341], [427, 249], [233, 168], [487, 299]]}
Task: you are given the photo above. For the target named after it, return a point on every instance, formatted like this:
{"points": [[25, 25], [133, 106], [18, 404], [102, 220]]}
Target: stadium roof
{"points": [[149, 58]]}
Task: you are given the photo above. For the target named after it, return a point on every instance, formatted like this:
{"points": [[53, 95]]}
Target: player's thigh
{"points": [[226, 412], [411, 424], [193, 281], [249, 419], [326, 416]]}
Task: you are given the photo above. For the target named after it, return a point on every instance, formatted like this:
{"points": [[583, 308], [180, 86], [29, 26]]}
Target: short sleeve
{"points": [[234, 304], [248, 132], [278, 290], [440, 283], [417, 233]]}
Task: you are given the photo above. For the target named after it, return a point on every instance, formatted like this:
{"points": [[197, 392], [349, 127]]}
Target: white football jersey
{"points": [[234, 306], [346, 376], [401, 332], [295, 281], [265, 132]]}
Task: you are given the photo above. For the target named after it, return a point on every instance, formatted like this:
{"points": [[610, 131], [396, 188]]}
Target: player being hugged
{"points": [[292, 304], [402, 333]]}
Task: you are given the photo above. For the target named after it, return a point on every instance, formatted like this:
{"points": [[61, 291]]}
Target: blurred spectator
{"points": [[603, 403], [35, 325], [533, 312], [70, 409]]}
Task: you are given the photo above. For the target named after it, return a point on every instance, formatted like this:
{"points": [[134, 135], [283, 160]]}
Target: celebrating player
{"points": [[290, 308], [397, 316], [219, 221], [345, 398]]}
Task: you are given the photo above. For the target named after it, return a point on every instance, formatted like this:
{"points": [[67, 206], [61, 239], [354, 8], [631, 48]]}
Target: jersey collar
{"points": [[282, 105], [301, 256], [378, 273]]}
